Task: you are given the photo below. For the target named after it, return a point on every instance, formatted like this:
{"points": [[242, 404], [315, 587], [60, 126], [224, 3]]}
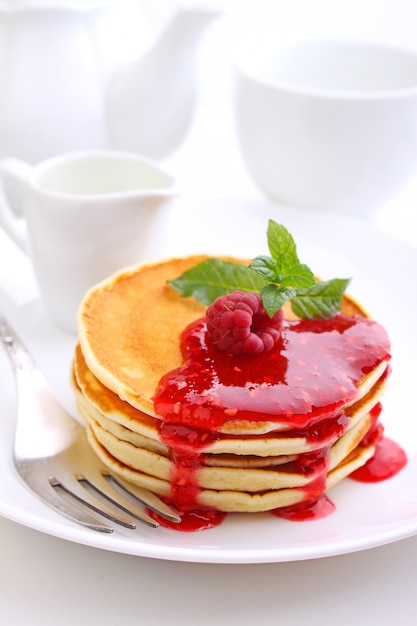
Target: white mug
{"points": [[327, 122], [84, 215]]}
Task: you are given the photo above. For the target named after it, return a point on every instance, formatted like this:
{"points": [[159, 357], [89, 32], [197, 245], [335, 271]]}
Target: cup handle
{"points": [[11, 218]]}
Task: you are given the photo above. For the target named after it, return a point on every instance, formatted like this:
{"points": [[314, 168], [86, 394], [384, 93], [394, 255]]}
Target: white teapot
{"points": [[64, 88]]}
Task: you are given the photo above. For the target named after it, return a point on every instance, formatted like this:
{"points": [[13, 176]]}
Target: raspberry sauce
{"points": [[312, 372], [308, 510], [303, 385], [388, 460], [192, 519]]}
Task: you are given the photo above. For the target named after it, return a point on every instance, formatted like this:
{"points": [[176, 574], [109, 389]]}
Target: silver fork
{"points": [[54, 459]]}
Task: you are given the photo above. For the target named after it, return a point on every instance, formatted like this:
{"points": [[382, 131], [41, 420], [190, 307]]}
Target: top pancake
{"points": [[129, 328]]}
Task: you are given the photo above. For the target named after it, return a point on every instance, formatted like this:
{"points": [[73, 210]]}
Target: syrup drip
{"points": [[388, 460], [309, 510], [192, 519], [303, 385]]}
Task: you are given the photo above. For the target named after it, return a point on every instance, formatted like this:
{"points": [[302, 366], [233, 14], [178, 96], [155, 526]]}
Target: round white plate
{"points": [[367, 515]]}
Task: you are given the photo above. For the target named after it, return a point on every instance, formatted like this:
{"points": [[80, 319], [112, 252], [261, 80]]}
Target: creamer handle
{"points": [[12, 219]]}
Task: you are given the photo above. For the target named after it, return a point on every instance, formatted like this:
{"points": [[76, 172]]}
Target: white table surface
{"points": [[45, 580]]}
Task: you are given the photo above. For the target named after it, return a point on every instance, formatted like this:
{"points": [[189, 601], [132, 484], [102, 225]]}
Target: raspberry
{"points": [[238, 323]]}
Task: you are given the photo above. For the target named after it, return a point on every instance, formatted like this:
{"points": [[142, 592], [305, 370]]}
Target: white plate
{"points": [[383, 271]]}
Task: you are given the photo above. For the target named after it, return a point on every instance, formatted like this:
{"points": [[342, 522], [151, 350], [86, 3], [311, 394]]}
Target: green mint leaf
{"points": [[274, 298], [281, 247], [215, 277], [278, 278], [321, 301], [299, 276], [265, 266]]}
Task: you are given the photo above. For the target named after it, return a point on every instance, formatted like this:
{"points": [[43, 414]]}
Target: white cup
{"points": [[325, 122], [84, 215]]}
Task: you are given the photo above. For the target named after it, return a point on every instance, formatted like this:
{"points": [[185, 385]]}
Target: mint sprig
{"points": [[278, 278], [212, 278]]}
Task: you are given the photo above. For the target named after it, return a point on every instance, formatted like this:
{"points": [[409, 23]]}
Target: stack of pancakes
{"points": [[129, 338]]}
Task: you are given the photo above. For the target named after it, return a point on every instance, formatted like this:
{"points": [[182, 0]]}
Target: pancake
{"points": [[115, 414], [276, 473], [129, 328], [129, 325], [215, 456], [109, 403], [155, 476], [252, 459]]}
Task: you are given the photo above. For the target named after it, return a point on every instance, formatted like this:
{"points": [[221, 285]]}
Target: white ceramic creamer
{"points": [[85, 215]]}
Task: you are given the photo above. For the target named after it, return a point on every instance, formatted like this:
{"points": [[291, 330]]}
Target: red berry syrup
{"points": [[388, 460], [307, 511], [303, 385]]}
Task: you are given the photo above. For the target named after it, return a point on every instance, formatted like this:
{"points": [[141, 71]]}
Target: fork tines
{"points": [[121, 496]]}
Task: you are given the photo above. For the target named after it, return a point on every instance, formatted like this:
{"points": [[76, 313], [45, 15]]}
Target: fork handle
{"points": [[20, 358]]}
